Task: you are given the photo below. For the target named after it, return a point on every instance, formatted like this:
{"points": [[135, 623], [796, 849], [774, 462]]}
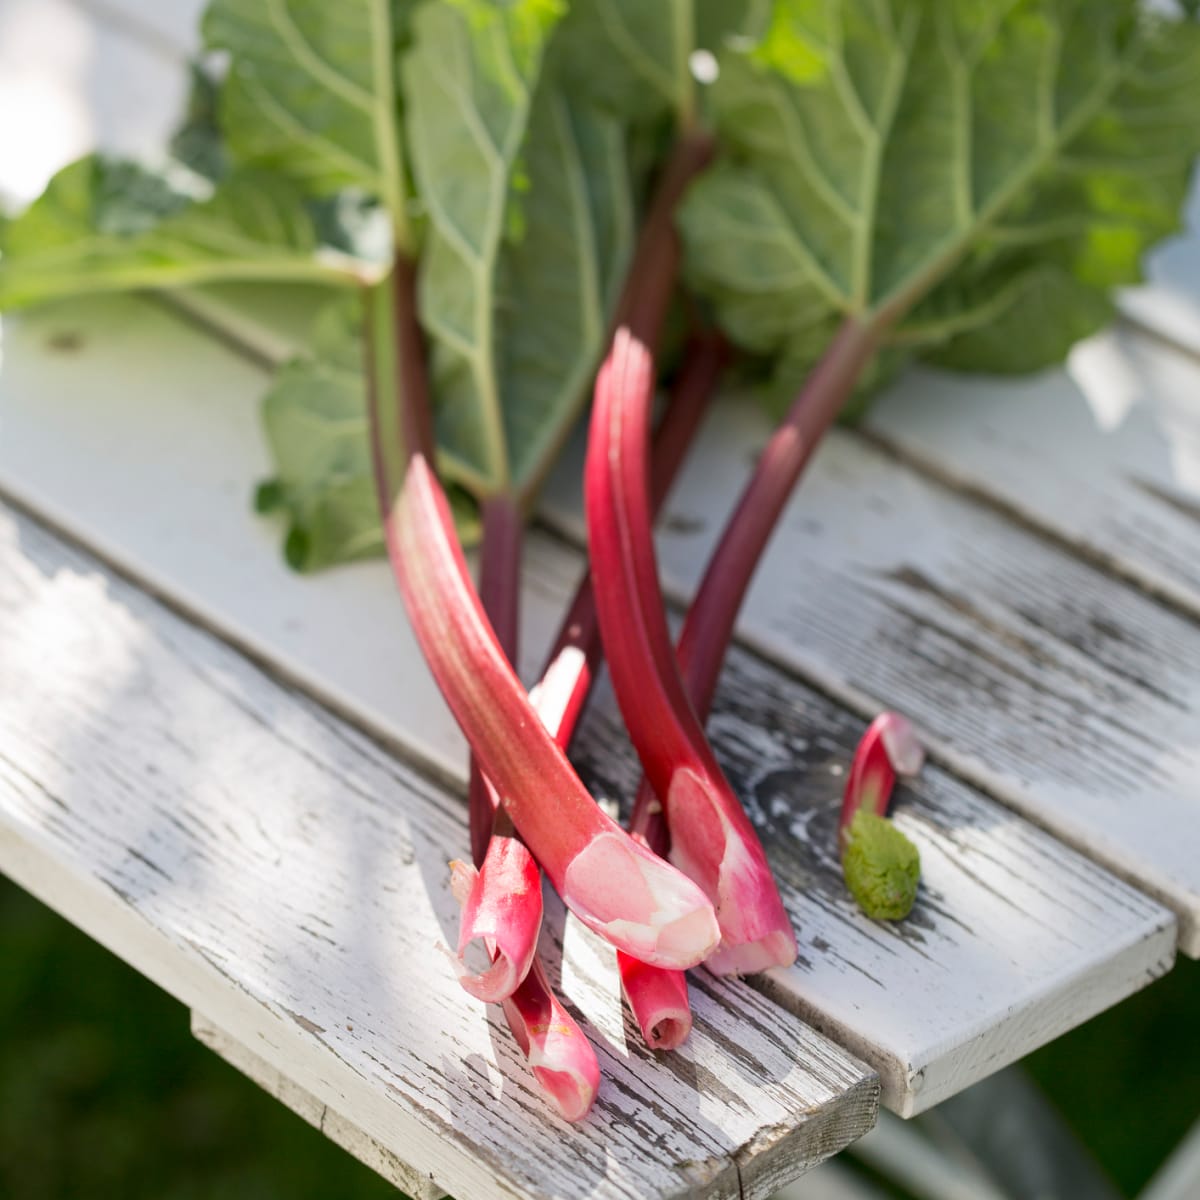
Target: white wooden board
{"points": [[284, 876], [1105, 453], [157, 475]]}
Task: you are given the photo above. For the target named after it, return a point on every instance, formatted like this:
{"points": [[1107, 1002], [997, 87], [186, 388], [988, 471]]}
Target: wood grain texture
{"points": [[273, 868], [1068, 694], [161, 486], [1105, 454], [316, 1113]]}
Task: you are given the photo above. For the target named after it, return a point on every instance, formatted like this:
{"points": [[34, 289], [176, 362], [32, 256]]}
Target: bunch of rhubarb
{"points": [[503, 209]]}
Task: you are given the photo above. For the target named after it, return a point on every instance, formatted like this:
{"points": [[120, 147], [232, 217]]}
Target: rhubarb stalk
{"points": [[708, 626], [613, 884], [712, 838], [501, 899], [505, 895], [559, 699]]}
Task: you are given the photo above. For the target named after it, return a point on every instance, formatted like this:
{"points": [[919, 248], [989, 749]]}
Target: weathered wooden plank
{"points": [[83, 446], [1105, 454], [1070, 695], [318, 1114], [273, 868]]}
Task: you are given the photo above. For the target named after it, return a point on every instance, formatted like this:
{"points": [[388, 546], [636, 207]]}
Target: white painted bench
{"points": [[173, 777]]}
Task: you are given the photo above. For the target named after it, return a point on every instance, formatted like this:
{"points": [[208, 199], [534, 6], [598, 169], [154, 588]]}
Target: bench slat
{"points": [[283, 875], [1104, 454], [157, 476], [317, 1113]]}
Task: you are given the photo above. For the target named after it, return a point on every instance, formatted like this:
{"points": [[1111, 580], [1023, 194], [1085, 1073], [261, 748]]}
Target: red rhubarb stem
{"points": [[708, 626], [577, 652], [712, 838], [614, 885], [709, 623], [506, 896], [889, 748], [646, 298], [499, 593], [502, 900]]}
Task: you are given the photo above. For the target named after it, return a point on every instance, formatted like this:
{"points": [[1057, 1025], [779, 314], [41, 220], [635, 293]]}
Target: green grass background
{"points": [[105, 1096]]}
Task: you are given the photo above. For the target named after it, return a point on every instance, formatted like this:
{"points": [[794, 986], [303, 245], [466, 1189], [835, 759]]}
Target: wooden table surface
{"points": [[245, 783]]}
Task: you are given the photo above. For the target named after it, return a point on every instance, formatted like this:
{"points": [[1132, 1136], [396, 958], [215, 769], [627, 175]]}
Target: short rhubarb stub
{"points": [[560, 1057], [502, 909], [658, 1000], [640, 903]]}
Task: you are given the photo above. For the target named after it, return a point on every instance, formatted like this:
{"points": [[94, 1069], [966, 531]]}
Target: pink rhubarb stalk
{"points": [[708, 626], [712, 839], [561, 1058], [613, 884], [502, 901], [559, 699], [502, 909]]}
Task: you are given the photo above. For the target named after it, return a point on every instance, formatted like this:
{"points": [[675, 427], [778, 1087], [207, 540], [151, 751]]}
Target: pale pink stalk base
{"points": [[890, 747], [502, 908], [709, 845], [658, 1000], [713, 841], [561, 1058]]}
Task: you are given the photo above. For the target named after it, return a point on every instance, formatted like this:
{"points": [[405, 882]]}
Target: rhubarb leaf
{"points": [[103, 225], [312, 92], [980, 175], [315, 417], [530, 227], [646, 50]]}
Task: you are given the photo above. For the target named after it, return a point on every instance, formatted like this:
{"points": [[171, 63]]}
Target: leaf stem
{"points": [[713, 840], [708, 626], [578, 651], [499, 593], [646, 297]]}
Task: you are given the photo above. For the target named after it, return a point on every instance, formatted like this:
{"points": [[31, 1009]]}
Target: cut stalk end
{"points": [[560, 1057], [713, 843], [658, 1000], [502, 909]]}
